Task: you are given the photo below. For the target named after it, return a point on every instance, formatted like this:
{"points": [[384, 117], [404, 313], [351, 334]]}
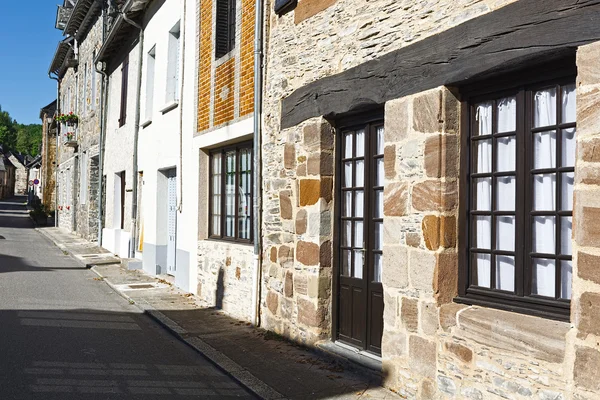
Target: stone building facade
{"points": [[21, 174], [401, 278], [225, 110], [48, 153]]}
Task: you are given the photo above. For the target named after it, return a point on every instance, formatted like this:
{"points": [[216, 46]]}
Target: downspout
{"points": [[136, 132], [56, 149], [180, 172], [257, 270]]}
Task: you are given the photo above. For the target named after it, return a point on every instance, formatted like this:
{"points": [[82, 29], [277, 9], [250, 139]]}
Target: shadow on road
{"points": [[17, 264]]}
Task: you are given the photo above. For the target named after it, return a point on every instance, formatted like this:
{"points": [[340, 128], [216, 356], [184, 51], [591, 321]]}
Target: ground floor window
{"points": [[230, 206]]}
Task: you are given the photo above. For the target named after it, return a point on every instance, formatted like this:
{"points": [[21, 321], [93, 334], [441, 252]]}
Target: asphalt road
{"points": [[66, 335]]}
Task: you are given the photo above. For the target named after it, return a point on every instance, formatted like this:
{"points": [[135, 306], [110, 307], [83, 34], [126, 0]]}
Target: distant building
{"points": [[7, 176], [48, 154]]}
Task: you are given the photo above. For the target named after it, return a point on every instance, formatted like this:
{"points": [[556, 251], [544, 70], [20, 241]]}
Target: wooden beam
{"points": [[516, 34]]}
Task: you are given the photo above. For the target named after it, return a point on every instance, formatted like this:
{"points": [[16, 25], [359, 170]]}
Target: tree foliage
{"points": [[25, 139]]}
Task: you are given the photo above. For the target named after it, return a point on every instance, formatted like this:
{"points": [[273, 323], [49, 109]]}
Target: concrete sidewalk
{"points": [[265, 363]]}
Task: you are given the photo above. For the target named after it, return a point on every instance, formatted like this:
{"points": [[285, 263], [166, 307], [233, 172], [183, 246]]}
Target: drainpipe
{"points": [[182, 40], [56, 149], [257, 271], [136, 132]]}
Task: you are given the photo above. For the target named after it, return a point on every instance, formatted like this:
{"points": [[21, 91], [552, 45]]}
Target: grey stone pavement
{"points": [[65, 334], [269, 366]]}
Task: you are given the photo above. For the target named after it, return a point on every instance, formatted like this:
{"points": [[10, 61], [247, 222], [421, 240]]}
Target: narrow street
{"points": [[65, 334]]}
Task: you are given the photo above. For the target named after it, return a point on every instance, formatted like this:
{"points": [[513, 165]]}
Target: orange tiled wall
{"points": [[247, 58], [225, 92], [205, 59]]}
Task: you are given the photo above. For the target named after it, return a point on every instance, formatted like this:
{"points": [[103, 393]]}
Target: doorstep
{"points": [[352, 356]]}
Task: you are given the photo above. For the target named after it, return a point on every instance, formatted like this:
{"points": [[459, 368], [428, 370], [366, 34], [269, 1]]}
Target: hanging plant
{"points": [[69, 119]]}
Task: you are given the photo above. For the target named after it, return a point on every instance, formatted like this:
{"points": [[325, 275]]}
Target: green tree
{"points": [[25, 139]]}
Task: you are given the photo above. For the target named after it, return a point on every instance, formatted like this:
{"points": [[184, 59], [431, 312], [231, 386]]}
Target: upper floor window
{"points": [[124, 84], [173, 64], [150, 63], [225, 30], [521, 146]]}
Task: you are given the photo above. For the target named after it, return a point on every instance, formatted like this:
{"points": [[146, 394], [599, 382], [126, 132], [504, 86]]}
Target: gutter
{"points": [[258, 70], [56, 149]]}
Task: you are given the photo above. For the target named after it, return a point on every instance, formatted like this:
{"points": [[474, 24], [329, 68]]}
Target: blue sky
{"points": [[28, 41]]}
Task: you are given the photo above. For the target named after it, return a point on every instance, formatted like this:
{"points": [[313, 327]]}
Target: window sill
{"points": [[146, 123], [169, 106]]}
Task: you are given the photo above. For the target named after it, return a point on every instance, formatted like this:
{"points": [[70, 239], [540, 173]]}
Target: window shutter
{"points": [[124, 83], [231, 23], [222, 28]]}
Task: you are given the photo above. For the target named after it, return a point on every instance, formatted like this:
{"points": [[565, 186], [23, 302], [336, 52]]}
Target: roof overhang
{"points": [[121, 29], [49, 109], [83, 17], [64, 51]]}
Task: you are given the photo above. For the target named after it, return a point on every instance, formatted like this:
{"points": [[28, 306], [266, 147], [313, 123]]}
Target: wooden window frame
{"points": [[225, 27], [124, 85], [223, 151], [522, 85]]}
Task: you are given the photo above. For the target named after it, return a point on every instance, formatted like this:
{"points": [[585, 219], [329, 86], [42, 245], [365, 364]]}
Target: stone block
{"points": [[586, 371], [272, 301], [326, 255], [463, 353], [588, 72], [409, 314], [326, 188], [587, 174], [285, 204], [431, 231], [310, 191], [396, 120], [423, 356], [429, 318], [289, 156], [589, 149], [318, 136], [451, 112], [427, 390], [445, 277], [587, 231], [311, 315], [588, 266], [422, 267], [273, 255], [448, 228], [427, 112], [588, 112], [301, 170], [319, 286], [301, 222], [588, 321], [389, 161], [448, 315], [434, 195], [307, 253], [392, 230], [446, 385], [413, 239], [320, 163], [288, 288], [300, 284], [395, 199], [390, 310], [395, 266], [393, 344]]}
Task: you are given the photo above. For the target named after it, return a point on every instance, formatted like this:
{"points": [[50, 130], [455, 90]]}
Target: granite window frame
{"points": [[522, 85]]}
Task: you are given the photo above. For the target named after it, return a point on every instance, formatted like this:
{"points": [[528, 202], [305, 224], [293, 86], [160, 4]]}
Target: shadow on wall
{"points": [[220, 292]]}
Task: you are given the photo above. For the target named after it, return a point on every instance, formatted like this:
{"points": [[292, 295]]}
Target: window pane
{"points": [[544, 192], [506, 158], [378, 242], [544, 147], [482, 264], [482, 232], [360, 173], [483, 118], [358, 234], [358, 264], [567, 182], [566, 277], [544, 232], [348, 144], [348, 174], [566, 232], [359, 204], [245, 194], [543, 277], [216, 197], [379, 180], [505, 233], [377, 267], [347, 233], [347, 206], [378, 209], [483, 194], [568, 147], [346, 262], [380, 140], [568, 103], [544, 107], [505, 273], [507, 114], [360, 143], [230, 162], [482, 153], [505, 193]]}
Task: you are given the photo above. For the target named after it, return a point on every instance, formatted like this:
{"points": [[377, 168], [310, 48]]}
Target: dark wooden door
{"points": [[360, 292], [122, 177]]}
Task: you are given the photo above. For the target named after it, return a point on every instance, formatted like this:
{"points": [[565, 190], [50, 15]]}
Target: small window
{"points": [[150, 82], [521, 146], [93, 74], [231, 193], [225, 31], [173, 64], [85, 90], [83, 179], [124, 84]]}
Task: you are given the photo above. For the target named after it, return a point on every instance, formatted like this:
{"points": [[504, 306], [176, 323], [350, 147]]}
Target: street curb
{"points": [[226, 364]]}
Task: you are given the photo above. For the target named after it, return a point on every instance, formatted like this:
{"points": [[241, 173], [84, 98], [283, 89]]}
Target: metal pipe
{"points": [[258, 52], [56, 149], [136, 132], [182, 40]]}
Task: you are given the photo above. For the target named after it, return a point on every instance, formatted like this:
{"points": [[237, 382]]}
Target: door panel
{"points": [[360, 306], [171, 221]]}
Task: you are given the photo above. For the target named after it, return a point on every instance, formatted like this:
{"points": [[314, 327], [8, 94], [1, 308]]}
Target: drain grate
{"points": [[2, 237], [141, 286]]}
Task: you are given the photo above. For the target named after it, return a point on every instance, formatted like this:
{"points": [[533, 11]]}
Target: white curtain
{"points": [[484, 194]]}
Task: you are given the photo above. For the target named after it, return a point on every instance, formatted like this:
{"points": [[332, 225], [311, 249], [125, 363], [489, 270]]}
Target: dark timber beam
{"points": [[515, 34]]}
